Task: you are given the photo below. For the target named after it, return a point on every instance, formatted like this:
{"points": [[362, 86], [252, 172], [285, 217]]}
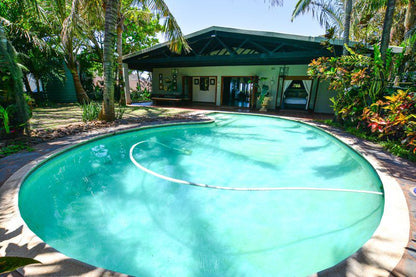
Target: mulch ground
{"points": [[43, 135]]}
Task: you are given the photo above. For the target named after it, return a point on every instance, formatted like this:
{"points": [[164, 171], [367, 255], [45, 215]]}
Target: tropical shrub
{"points": [[4, 116], [394, 118], [140, 96], [359, 79], [90, 111]]}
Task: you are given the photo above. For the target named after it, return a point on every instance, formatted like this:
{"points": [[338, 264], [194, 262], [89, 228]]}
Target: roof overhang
{"points": [[219, 46]]}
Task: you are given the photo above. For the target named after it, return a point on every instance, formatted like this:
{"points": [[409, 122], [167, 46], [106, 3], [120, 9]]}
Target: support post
{"points": [[126, 83]]}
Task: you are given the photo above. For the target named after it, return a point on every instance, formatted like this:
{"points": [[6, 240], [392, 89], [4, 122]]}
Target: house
{"points": [[233, 67]]}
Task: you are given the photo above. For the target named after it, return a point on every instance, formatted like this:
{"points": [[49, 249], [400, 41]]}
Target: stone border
{"points": [[377, 257]]}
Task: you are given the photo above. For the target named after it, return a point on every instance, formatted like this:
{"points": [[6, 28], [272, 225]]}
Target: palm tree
{"points": [[388, 22], [410, 19], [330, 14], [74, 31], [171, 28], [111, 11], [67, 20], [347, 24]]}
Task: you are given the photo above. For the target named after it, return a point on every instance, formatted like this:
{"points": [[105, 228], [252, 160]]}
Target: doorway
{"points": [[237, 91]]}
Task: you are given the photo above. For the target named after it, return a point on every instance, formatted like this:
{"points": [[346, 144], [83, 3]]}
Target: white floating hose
{"points": [[178, 181]]}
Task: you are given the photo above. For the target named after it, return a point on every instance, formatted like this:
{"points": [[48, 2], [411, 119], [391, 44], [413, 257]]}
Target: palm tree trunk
{"points": [[111, 8], [82, 96], [388, 22], [120, 59], [347, 23], [410, 19]]}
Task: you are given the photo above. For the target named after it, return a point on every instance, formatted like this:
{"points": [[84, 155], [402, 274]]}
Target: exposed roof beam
{"points": [[205, 47], [261, 47], [278, 47], [230, 50], [244, 42]]}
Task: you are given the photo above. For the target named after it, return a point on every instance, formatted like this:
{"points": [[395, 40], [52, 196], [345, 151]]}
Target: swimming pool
{"points": [[95, 205]]}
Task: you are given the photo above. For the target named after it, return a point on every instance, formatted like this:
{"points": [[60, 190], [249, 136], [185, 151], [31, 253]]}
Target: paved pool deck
{"points": [[391, 251]]}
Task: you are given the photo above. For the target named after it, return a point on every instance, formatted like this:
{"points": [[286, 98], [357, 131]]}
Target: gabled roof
{"points": [[218, 46]]}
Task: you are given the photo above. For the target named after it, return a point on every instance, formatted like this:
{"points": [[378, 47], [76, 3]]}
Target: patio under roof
{"points": [[219, 46]]}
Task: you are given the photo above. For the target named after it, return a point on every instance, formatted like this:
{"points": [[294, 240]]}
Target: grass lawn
{"points": [[63, 115]]}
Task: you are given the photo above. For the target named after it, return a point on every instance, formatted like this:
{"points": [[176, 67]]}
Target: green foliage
{"points": [[120, 110], [14, 148], [394, 147], [90, 111], [359, 79], [9, 264], [140, 28], [394, 118], [4, 116], [140, 96], [11, 85]]}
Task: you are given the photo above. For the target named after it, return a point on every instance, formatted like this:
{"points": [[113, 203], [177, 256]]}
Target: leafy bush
{"points": [[90, 111], [359, 79], [140, 96], [394, 119]]}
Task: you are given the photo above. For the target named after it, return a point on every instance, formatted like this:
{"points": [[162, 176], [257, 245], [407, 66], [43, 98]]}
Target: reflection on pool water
{"points": [[93, 204]]}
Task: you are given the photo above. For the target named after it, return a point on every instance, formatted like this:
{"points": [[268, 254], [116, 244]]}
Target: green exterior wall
{"points": [[62, 92]]}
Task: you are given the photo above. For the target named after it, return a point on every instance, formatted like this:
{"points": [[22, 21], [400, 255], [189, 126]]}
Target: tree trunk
{"points": [[111, 7], [347, 23], [120, 59], [82, 96], [388, 22], [410, 19]]}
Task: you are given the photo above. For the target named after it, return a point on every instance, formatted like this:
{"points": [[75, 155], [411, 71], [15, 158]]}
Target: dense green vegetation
{"points": [[41, 38]]}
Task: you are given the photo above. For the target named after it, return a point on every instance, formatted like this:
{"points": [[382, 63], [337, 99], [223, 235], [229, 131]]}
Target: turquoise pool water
{"points": [[93, 204]]}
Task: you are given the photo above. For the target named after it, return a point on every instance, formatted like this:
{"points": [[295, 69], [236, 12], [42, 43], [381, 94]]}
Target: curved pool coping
{"points": [[377, 257]]}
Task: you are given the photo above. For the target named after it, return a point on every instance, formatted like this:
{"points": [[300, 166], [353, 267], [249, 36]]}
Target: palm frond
{"points": [[328, 13], [275, 3], [302, 6], [18, 31], [172, 31]]}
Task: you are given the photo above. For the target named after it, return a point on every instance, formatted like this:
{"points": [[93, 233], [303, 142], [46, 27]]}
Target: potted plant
{"points": [[264, 98]]}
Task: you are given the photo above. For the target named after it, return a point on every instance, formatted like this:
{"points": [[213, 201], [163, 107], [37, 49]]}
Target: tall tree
{"points": [[347, 23], [110, 32], [410, 19], [74, 29], [388, 22], [170, 27]]}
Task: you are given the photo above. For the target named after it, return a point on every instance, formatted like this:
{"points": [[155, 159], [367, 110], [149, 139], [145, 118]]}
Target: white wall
{"points": [[203, 96], [323, 104], [271, 72]]}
